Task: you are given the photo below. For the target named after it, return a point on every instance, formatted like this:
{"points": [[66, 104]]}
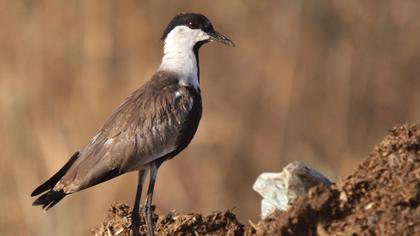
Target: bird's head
{"points": [[192, 30]]}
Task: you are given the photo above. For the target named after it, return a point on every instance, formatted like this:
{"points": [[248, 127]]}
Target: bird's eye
{"points": [[192, 25]]}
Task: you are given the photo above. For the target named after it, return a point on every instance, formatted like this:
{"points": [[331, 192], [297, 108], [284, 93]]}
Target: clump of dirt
{"points": [[118, 222], [381, 198]]}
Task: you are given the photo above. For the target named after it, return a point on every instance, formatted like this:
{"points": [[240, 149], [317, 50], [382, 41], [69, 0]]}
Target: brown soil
{"points": [[381, 198], [218, 223]]}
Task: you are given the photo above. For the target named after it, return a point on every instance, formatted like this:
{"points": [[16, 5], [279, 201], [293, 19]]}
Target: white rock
{"points": [[279, 190]]}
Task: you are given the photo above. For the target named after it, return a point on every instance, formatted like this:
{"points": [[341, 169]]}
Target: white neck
{"points": [[183, 63], [178, 54]]}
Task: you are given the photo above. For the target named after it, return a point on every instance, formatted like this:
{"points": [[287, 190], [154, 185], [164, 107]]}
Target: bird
{"points": [[153, 124]]}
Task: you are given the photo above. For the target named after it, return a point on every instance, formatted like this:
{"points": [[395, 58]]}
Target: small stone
{"points": [[370, 205], [343, 197], [279, 190]]}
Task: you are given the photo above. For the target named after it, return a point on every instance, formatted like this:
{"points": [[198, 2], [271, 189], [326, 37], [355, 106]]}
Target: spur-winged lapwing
{"points": [[154, 124]]}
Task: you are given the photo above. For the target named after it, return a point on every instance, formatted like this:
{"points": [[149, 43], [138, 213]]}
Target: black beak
{"points": [[218, 37]]}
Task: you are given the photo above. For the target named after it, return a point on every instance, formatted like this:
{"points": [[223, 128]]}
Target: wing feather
{"points": [[144, 128]]}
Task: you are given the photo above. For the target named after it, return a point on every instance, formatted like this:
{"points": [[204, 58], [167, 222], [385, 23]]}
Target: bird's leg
{"points": [[148, 205], [135, 216]]}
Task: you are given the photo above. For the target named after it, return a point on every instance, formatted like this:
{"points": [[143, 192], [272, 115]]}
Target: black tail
{"points": [[52, 197], [49, 199]]}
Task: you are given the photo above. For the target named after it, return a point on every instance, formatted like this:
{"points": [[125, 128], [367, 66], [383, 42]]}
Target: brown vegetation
{"points": [[315, 81]]}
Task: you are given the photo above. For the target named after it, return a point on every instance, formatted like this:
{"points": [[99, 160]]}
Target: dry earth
{"points": [[380, 198]]}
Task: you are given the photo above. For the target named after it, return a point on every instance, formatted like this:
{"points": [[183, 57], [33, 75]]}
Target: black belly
{"points": [[189, 126]]}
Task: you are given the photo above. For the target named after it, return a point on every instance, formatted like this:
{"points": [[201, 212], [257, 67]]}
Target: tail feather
{"points": [[49, 199], [50, 183]]}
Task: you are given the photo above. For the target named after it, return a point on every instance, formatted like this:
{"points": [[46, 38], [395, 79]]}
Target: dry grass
{"points": [[315, 81]]}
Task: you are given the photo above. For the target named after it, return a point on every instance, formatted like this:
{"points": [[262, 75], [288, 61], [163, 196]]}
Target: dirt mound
{"points": [[381, 198], [218, 223]]}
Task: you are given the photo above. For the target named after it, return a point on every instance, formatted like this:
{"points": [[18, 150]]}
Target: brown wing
{"points": [[147, 126]]}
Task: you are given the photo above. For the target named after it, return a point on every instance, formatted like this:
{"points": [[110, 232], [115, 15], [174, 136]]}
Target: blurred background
{"points": [[316, 81]]}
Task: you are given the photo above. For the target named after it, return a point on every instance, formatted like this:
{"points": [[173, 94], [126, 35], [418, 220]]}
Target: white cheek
{"points": [[182, 35], [201, 36], [179, 31]]}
